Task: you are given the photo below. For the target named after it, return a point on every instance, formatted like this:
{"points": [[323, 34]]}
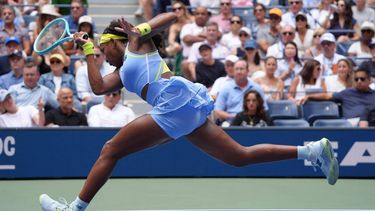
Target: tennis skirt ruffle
{"points": [[179, 106]]}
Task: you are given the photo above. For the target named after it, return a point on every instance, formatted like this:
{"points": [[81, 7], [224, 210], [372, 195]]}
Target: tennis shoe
{"points": [[48, 204], [322, 156]]}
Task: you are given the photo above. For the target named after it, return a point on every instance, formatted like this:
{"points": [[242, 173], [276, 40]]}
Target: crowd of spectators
{"points": [[247, 53]]}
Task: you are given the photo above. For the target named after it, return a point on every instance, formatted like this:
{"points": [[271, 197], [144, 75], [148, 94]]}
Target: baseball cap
{"points": [[12, 39], [49, 9], [251, 44], [368, 25], [57, 56], [3, 94], [18, 53], [246, 30], [232, 58], [85, 19], [276, 11], [327, 37], [204, 47]]}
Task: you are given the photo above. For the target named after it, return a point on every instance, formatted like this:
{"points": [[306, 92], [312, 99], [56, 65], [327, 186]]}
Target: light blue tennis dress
{"points": [[179, 106]]}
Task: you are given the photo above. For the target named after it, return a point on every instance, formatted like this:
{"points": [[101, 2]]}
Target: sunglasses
{"points": [[359, 79], [233, 22], [225, 4], [326, 43], [295, 2], [301, 19], [274, 18], [243, 35], [115, 94], [366, 31], [176, 8], [317, 35], [55, 62], [288, 33]]}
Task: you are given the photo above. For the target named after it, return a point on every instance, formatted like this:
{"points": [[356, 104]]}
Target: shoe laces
{"points": [[65, 203], [313, 156]]}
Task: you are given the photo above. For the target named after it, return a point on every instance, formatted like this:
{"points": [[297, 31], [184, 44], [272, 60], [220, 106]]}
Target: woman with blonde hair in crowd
{"points": [[315, 48], [343, 79], [47, 13], [308, 80], [273, 87], [323, 12]]}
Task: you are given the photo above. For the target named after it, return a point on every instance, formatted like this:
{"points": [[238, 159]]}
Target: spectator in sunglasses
{"points": [[361, 48], [223, 19], [370, 64], [353, 100]]}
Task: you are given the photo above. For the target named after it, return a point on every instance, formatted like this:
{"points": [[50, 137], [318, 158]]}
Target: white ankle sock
{"points": [[79, 205], [302, 152]]}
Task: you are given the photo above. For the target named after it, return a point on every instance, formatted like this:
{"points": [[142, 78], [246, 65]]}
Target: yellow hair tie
{"points": [[107, 37], [144, 28]]}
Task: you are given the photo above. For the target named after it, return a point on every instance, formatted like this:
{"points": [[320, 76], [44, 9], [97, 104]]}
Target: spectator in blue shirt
{"points": [[77, 9], [29, 91], [17, 61], [229, 100]]}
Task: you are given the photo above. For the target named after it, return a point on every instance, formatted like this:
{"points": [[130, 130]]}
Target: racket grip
{"points": [[85, 36]]}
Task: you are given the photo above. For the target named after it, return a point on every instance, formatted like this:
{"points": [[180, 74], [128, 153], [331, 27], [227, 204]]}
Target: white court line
{"points": [[250, 210], [7, 167]]}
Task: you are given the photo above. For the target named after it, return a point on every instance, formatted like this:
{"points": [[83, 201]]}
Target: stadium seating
{"points": [[313, 110], [290, 123], [282, 109], [332, 123]]}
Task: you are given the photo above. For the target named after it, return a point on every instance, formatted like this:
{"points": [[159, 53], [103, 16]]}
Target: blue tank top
{"points": [[141, 69]]}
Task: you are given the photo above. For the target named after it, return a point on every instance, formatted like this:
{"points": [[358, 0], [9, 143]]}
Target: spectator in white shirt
{"points": [[110, 113], [289, 18], [362, 13]]}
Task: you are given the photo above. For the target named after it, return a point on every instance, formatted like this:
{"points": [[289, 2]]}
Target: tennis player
{"points": [[180, 108]]}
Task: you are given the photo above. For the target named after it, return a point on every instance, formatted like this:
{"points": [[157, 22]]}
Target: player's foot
{"points": [[48, 204], [322, 156]]}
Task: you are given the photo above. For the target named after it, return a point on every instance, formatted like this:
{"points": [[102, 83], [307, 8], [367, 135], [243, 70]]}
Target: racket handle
{"points": [[85, 36]]}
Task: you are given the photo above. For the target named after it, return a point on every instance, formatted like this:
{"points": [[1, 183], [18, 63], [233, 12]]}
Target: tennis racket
{"points": [[52, 35]]}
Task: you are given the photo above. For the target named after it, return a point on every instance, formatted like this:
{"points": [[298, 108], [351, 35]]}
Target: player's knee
{"points": [[110, 151]]}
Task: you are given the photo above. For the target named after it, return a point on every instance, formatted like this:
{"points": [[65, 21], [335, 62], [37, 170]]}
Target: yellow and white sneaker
{"points": [[48, 204]]}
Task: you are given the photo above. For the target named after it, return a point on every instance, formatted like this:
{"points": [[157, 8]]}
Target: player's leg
{"points": [[131, 138], [213, 140]]}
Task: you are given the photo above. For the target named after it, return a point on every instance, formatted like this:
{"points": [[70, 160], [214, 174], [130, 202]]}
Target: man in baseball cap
{"points": [[17, 60]]}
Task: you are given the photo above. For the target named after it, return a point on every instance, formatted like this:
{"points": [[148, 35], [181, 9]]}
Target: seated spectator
{"points": [[244, 35], [218, 51], [252, 57], [19, 116], [308, 79], [329, 57], [223, 19], [231, 39], [304, 35], [268, 36], [290, 65], [9, 29], [110, 113], [60, 3], [362, 12], [343, 79], [323, 12], [343, 20], [370, 64], [29, 91], [288, 34], [208, 69], [260, 22], [253, 113], [43, 61], [210, 4], [295, 7], [353, 100], [230, 99], [12, 43], [361, 48], [222, 81], [273, 87], [65, 115], [15, 76], [85, 93], [316, 48], [367, 118], [48, 12], [77, 9]]}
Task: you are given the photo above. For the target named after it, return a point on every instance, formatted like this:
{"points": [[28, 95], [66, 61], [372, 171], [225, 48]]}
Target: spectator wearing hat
{"points": [[304, 35], [231, 39], [77, 9], [110, 113], [12, 115], [329, 57], [252, 57], [218, 51], [288, 34], [208, 69], [295, 7], [11, 43], [244, 35], [220, 82], [361, 48], [9, 29], [362, 12], [269, 36], [47, 13], [223, 19], [30, 91], [17, 61], [370, 64]]}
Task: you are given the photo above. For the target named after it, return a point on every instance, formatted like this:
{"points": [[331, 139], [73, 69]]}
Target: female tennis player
{"points": [[180, 108]]}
